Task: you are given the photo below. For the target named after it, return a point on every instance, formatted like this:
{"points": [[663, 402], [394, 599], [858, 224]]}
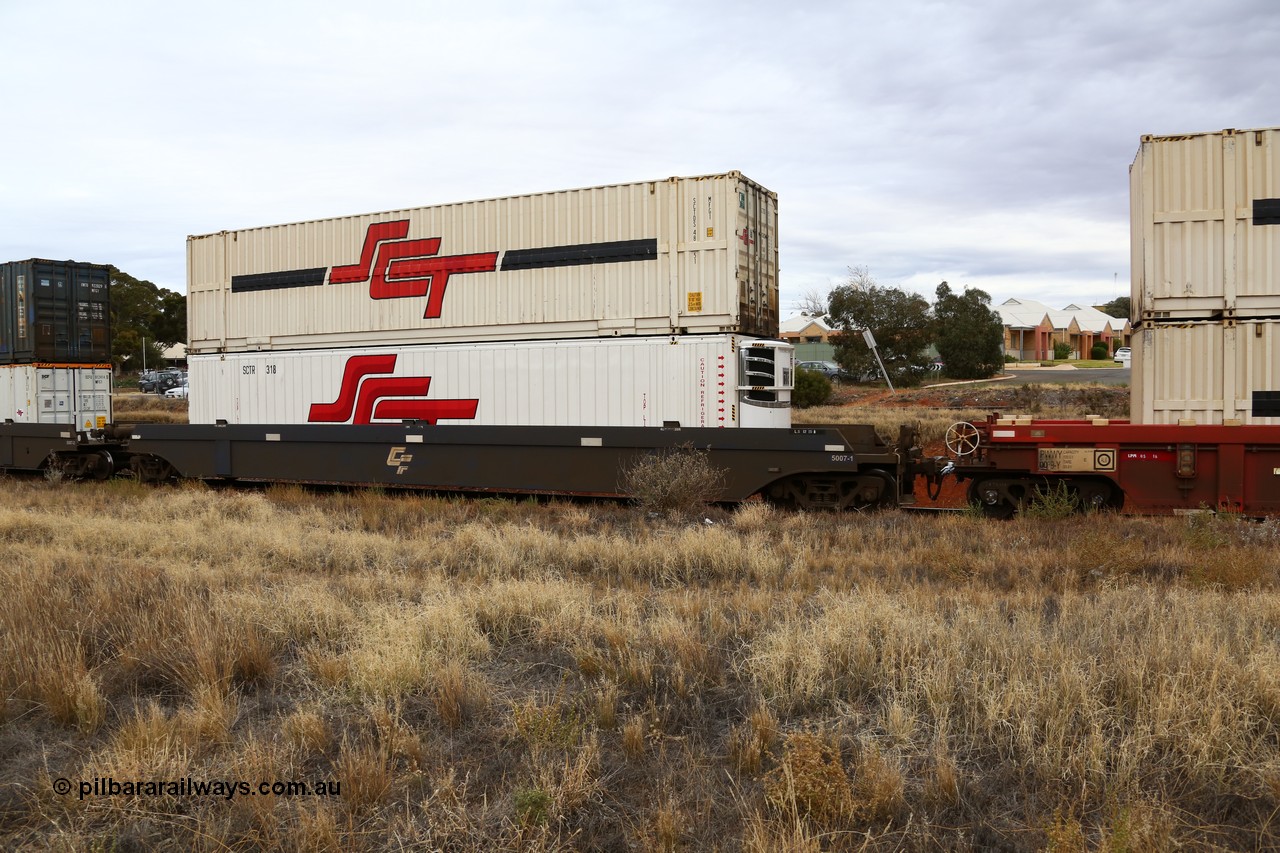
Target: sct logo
{"points": [[365, 397], [396, 268], [399, 460]]}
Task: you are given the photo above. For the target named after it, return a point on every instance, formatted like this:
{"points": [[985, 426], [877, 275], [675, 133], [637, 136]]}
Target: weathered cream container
{"points": [[1205, 226], [676, 256], [73, 394], [1209, 372]]}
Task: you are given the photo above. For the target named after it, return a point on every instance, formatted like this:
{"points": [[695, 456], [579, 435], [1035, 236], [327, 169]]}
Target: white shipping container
{"points": [[695, 381], [1205, 225], [1209, 372], [677, 256], [56, 394]]}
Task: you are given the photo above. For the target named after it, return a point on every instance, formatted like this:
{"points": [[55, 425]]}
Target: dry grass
{"points": [[137, 408], [488, 675]]}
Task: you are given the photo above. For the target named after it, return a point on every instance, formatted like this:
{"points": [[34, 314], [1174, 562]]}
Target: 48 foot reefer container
{"points": [[690, 380]]}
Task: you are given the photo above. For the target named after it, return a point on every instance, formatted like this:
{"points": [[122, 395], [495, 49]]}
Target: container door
{"points": [[6, 313], [93, 397], [53, 318], [18, 393], [55, 395], [756, 233], [92, 330], [11, 406], [23, 314]]}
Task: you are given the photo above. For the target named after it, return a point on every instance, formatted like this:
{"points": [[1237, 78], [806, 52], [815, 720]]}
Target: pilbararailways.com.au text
{"points": [[226, 789]]}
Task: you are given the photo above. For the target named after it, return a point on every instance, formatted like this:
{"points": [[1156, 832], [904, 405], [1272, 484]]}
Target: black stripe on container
{"points": [[278, 280], [1266, 211], [586, 253], [1266, 404]]}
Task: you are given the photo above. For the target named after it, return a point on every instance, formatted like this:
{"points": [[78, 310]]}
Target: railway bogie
{"points": [[1005, 495]]}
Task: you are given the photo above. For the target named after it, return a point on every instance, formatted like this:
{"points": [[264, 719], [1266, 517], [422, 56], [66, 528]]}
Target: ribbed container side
{"points": [[678, 256], [54, 311], [693, 380], [1205, 226], [56, 394], [8, 315], [1210, 372]]}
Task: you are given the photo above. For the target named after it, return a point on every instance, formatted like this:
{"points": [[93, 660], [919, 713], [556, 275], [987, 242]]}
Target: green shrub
{"points": [[1052, 502], [811, 389], [1061, 351], [1099, 352], [533, 806]]}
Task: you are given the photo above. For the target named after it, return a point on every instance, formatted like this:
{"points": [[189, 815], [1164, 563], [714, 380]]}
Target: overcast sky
{"points": [[986, 143]]}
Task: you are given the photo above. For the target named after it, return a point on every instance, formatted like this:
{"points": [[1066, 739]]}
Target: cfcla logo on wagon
{"points": [[395, 267]]}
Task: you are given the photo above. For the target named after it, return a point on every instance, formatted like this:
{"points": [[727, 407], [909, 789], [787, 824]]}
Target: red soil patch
{"points": [[953, 495]]}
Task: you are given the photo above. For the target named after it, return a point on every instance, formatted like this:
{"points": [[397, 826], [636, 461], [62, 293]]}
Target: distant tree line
{"points": [[1118, 307], [145, 318]]}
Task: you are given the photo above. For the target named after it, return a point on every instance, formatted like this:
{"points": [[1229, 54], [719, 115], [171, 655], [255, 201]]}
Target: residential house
{"points": [[1032, 328], [810, 335]]}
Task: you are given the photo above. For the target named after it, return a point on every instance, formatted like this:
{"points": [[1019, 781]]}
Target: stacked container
{"points": [[55, 343], [628, 305], [1205, 229]]}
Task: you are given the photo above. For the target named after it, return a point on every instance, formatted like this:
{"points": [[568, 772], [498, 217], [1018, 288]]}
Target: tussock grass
{"points": [[490, 675]]}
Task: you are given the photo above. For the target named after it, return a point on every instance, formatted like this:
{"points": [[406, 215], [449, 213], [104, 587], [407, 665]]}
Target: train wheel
{"points": [[998, 498], [152, 469], [879, 489], [101, 465], [1097, 495]]}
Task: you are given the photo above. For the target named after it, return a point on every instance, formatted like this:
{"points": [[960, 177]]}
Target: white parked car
{"points": [[179, 391], [1123, 356]]}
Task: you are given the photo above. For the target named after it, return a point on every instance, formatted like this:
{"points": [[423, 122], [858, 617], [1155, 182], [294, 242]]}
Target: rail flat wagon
{"points": [[846, 467], [1150, 469]]}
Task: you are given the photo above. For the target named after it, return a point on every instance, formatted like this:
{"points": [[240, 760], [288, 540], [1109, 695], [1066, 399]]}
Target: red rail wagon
{"points": [[1137, 468]]}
